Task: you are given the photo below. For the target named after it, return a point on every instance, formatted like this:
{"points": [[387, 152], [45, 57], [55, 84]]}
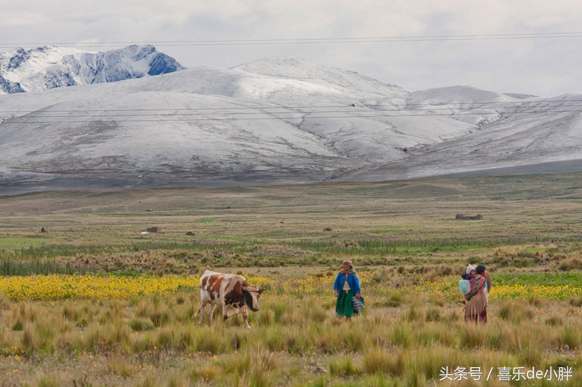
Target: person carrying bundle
{"points": [[475, 286]]}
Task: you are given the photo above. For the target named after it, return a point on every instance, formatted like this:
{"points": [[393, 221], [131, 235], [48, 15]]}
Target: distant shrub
{"points": [[570, 264]]}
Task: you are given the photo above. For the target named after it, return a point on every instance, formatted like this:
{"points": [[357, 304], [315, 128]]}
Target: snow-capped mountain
{"points": [[52, 67], [541, 135], [278, 120]]}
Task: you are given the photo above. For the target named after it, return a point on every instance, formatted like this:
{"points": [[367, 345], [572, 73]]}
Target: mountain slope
{"points": [[349, 129], [52, 67], [534, 134], [278, 120]]}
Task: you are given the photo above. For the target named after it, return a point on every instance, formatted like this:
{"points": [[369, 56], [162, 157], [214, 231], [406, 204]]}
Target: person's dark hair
{"points": [[480, 269]]}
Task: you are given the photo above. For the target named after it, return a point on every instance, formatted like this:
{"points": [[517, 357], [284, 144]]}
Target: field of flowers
{"points": [[55, 287], [58, 287], [515, 290]]}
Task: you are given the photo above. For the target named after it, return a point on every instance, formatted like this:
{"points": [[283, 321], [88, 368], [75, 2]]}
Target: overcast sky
{"points": [[543, 67]]}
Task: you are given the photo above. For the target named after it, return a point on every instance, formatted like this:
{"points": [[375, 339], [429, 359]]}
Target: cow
{"points": [[228, 291]]}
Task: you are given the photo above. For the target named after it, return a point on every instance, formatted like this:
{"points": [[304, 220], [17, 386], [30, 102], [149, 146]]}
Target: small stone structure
{"points": [[463, 217], [156, 230]]}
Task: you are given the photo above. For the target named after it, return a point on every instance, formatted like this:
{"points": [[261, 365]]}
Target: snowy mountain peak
{"points": [[286, 66], [460, 93], [51, 67], [301, 69]]}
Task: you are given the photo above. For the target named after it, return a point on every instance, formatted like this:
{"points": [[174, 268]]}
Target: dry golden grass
{"points": [[290, 343], [405, 337]]}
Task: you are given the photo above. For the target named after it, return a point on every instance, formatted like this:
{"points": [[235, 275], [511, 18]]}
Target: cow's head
{"points": [[252, 294]]}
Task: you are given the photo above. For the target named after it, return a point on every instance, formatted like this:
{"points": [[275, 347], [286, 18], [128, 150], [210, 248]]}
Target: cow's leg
{"points": [[245, 318], [212, 308], [225, 312], [201, 312], [234, 313], [200, 309]]}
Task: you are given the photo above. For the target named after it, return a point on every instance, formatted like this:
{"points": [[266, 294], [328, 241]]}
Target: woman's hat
{"points": [[348, 261], [470, 268]]}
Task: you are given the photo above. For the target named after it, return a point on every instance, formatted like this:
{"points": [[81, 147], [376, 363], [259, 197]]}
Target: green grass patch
{"points": [[19, 243], [547, 279], [9, 267]]}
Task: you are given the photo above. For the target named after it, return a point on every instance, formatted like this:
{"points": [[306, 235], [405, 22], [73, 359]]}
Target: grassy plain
{"points": [[119, 310]]}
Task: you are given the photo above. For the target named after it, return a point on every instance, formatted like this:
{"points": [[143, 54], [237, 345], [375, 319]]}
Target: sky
{"points": [[544, 67]]}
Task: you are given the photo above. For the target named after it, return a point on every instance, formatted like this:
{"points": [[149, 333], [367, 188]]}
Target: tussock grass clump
{"points": [[266, 318], [344, 367], [400, 335], [160, 316], [148, 381], [536, 300], [423, 365], [140, 325], [207, 339], [26, 311], [436, 334], [120, 365], [383, 361], [437, 299], [18, 325], [515, 311], [472, 335], [165, 338], [432, 314], [394, 300], [313, 312], [30, 341], [203, 373], [353, 340], [70, 312], [554, 321], [413, 314], [274, 339], [117, 333], [571, 337], [431, 275], [254, 368], [48, 381], [527, 343], [177, 379], [5, 303]]}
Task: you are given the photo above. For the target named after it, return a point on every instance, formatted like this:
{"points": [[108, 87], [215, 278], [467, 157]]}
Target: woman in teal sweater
{"points": [[346, 286]]}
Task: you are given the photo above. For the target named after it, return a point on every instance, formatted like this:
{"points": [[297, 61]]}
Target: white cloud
{"points": [[542, 66]]}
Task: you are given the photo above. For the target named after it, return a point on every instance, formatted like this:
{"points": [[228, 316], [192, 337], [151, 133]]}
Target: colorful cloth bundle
{"points": [[477, 285]]}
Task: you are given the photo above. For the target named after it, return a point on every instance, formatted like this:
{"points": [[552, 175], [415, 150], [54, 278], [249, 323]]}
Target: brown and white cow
{"points": [[228, 291]]}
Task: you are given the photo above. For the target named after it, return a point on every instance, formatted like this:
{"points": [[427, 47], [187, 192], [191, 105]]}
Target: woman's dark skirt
{"points": [[344, 306]]}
